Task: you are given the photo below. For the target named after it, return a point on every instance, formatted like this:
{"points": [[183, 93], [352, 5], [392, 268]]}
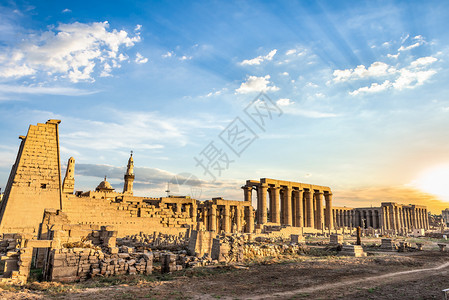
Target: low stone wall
{"points": [[235, 248], [156, 240], [75, 264]]}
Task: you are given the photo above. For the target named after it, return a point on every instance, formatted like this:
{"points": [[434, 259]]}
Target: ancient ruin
{"points": [[390, 216], [74, 235]]}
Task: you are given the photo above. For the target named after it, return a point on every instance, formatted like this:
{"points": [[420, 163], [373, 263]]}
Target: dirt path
{"points": [[405, 276]]}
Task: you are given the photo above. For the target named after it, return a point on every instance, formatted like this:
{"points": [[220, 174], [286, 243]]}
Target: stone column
{"points": [[392, 211], [329, 219], [227, 219], [193, 210], [426, 215], [247, 193], [238, 218], [409, 218], [384, 217], [375, 223], [334, 218], [299, 209], [206, 218], [262, 203], [414, 218], [178, 208], [421, 218], [249, 219], [293, 208], [276, 212], [319, 208], [387, 217], [213, 218], [309, 202], [288, 205], [404, 219]]}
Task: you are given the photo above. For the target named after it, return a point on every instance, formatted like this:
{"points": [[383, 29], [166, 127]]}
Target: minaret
{"points": [[129, 176], [69, 180]]}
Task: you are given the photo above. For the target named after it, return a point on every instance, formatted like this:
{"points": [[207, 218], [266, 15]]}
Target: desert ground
{"points": [[318, 273]]}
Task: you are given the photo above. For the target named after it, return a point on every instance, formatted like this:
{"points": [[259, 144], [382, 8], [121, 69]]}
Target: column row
{"points": [[292, 206], [228, 218]]}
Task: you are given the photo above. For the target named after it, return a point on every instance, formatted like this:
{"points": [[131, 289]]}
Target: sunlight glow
{"points": [[434, 181]]}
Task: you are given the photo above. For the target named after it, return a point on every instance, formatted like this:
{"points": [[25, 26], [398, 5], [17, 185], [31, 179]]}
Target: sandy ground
{"points": [[390, 275]]}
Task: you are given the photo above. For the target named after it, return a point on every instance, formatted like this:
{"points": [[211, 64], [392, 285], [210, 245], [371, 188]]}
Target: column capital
{"points": [[245, 187], [263, 185], [319, 192]]}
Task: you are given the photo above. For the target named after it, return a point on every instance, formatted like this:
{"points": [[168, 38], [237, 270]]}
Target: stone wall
{"points": [[66, 265], [126, 218]]}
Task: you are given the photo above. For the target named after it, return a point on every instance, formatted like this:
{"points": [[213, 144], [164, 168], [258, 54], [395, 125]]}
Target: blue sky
{"points": [[362, 86]]}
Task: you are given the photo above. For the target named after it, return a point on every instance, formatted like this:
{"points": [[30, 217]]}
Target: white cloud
{"points": [[168, 54], [410, 78], [136, 130], [70, 51], [66, 91], [415, 74], [256, 84], [184, 57], [393, 55], [284, 102], [258, 60], [140, 59], [423, 61], [290, 52], [66, 10], [375, 87], [311, 85], [216, 93], [285, 74], [402, 48], [376, 69]]}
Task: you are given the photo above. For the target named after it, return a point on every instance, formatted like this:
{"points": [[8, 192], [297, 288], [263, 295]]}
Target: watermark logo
{"points": [[185, 184], [238, 136]]}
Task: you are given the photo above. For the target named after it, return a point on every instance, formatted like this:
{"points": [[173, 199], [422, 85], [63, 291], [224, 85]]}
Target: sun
{"points": [[434, 181]]}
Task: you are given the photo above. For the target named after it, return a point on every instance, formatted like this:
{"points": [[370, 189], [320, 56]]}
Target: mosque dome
{"points": [[104, 186]]}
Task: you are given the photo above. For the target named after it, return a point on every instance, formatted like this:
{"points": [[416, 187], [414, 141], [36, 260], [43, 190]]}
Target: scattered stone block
{"points": [[388, 245], [352, 250], [336, 239]]}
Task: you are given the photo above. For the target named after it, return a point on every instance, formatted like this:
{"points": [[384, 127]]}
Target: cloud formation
{"points": [[387, 76], [36, 90], [258, 60], [284, 102], [256, 84], [140, 59], [73, 51]]}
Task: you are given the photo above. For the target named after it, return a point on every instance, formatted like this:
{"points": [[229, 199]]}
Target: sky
{"points": [[208, 94]]}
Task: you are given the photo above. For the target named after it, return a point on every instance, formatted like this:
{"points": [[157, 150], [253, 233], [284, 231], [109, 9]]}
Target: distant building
{"points": [[389, 217]]}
